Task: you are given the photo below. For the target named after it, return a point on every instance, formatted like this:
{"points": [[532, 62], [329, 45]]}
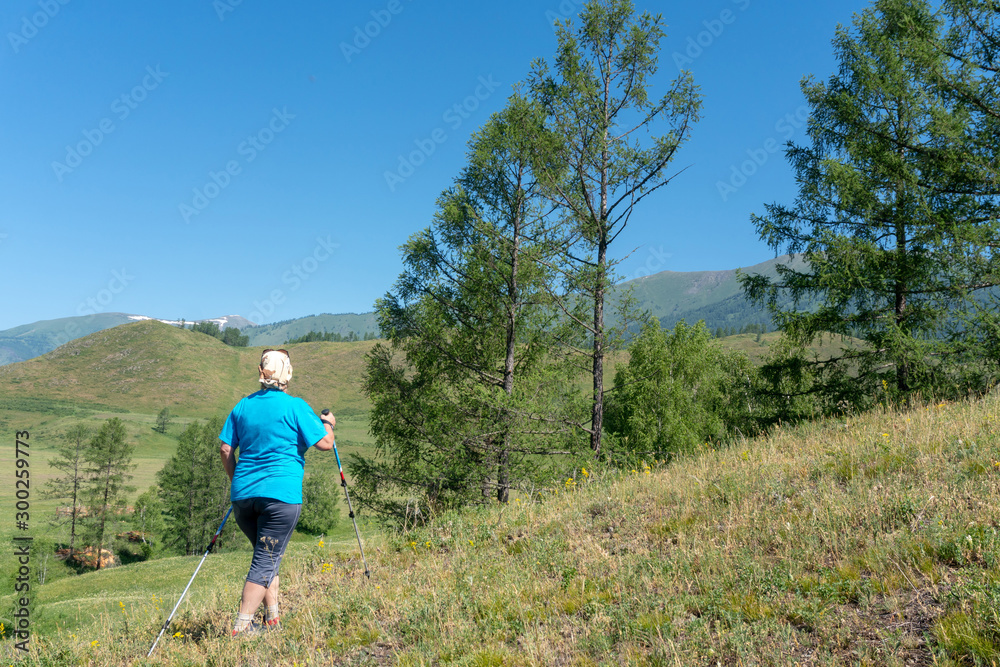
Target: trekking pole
{"points": [[211, 544], [343, 483]]}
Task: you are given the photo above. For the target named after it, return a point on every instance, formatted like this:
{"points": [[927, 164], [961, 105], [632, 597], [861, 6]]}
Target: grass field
{"points": [[864, 540]]}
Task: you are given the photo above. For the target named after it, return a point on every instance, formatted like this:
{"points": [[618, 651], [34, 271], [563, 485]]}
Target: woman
{"points": [[272, 431]]}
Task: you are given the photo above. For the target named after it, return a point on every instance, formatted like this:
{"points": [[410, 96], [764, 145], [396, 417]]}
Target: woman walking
{"points": [[272, 431]]}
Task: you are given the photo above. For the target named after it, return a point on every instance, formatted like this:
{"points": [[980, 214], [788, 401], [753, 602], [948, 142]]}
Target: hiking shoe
{"points": [[251, 630], [272, 625]]}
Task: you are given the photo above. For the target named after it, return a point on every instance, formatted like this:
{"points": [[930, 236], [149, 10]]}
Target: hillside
{"points": [[713, 296], [146, 366], [279, 332], [31, 340], [868, 540]]}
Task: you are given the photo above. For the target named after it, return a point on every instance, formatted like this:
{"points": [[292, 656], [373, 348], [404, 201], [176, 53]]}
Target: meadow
{"points": [[864, 540]]}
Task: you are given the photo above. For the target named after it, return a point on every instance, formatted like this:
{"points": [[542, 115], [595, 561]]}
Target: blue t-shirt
{"points": [[272, 431]]}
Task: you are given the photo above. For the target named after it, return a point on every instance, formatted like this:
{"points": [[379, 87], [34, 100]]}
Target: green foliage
{"points": [[605, 158], [230, 335], [109, 466], [898, 244], [71, 462], [194, 488], [678, 391], [320, 494], [148, 519], [478, 399], [162, 420], [330, 336]]}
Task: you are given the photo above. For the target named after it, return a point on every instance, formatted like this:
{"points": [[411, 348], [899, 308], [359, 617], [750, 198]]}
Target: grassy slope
{"points": [[277, 334], [146, 366], [669, 292], [30, 340], [865, 540], [132, 372]]}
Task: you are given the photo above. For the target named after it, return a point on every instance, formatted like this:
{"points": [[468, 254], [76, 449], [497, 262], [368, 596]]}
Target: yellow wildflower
{"points": [[95, 643], [584, 472], [178, 635], [321, 543]]}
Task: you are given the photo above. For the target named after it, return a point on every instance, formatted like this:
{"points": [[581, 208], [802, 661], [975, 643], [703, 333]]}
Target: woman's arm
{"points": [[228, 460], [326, 444]]}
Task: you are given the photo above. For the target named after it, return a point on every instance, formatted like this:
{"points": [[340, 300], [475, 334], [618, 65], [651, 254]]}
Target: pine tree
{"points": [[885, 229], [457, 421], [194, 488], [109, 466], [71, 462], [162, 420], [598, 102]]}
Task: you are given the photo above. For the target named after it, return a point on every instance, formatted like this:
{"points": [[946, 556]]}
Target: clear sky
{"points": [[200, 158]]}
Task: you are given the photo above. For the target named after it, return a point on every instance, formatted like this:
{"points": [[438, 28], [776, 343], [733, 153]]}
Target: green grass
{"points": [[146, 366], [866, 540]]}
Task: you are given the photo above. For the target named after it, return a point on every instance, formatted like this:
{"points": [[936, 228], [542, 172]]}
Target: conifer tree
{"points": [[456, 420], [598, 100], [109, 466], [887, 232], [163, 420], [194, 488], [71, 462]]}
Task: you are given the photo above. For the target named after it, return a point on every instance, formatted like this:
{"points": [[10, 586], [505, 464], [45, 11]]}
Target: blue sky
{"points": [[210, 157]]}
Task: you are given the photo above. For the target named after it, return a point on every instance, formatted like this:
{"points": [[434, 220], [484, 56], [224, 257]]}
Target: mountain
{"points": [[147, 365], [713, 296], [279, 332], [31, 340]]}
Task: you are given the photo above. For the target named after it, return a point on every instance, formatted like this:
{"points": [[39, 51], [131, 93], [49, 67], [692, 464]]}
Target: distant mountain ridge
{"points": [[713, 296], [144, 366], [33, 340]]}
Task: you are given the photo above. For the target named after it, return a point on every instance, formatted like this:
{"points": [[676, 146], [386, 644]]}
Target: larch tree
{"points": [[617, 145], [193, 487], [460, 417], [71, 462], [109, 468], [886, 237]]}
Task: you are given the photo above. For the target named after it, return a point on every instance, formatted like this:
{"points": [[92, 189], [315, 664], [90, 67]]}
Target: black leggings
{"points": [[268, 524]]}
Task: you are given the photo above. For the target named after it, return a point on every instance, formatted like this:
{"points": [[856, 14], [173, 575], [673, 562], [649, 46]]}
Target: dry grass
{"points": [[868, 540]]}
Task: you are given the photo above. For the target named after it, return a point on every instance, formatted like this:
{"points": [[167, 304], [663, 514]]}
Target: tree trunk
{"points": [[503, 457], [902, 367], [76, 498], [597, 416], [104, 515]]}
